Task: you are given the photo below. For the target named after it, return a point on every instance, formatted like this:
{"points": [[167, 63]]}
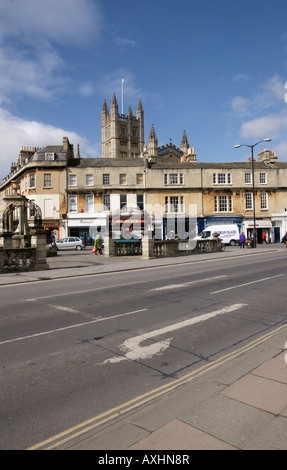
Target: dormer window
{"points": [[50, 156]]}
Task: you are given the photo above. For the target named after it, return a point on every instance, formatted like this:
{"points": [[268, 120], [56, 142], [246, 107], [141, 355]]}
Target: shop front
{"points": [[223, 220], [52, 233], [86, 226], [263, 230], [279, 226]]}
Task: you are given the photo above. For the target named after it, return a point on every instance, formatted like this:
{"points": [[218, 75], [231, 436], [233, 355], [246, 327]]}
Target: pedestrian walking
{"points": [[98, 245], [242, 240]]}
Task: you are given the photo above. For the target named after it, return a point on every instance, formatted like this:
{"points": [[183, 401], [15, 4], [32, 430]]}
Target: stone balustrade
{"points": [[17, 259], [128, 248], [148, 248]]}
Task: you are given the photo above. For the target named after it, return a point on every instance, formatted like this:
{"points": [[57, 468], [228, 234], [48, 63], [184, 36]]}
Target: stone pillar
{"points": [[109, 246], [148, 246], [6, 240], [38, 241]]}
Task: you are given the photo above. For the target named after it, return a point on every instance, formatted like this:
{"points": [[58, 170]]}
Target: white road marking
{"points": [[185, 284], [134, 351], [77, 325], [61, 294], [247, 284]]}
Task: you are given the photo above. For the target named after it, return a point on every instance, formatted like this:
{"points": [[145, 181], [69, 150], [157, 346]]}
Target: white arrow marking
{"points": [[134, 351]]}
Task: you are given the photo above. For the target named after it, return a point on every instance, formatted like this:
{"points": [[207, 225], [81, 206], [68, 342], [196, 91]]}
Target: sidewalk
{"points": [[237, 402], [240, 406]]}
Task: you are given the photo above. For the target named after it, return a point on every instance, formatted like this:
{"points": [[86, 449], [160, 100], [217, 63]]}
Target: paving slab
{"points": [[259, 392], [119, 437], [273, 437], [175, 404], [228, 420], [274, 369], [177, 435]]}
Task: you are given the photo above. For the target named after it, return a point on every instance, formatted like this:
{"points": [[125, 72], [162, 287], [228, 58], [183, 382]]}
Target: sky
{"points": [[217, 70]]}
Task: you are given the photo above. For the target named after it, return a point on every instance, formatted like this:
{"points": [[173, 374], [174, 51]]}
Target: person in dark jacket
{"points": [[242, 240]]}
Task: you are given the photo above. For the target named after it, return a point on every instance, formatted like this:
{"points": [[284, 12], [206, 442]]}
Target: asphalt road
{"points": [[72, 349]]}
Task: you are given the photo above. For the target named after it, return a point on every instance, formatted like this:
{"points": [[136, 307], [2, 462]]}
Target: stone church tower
{"points": [[122, 135]]}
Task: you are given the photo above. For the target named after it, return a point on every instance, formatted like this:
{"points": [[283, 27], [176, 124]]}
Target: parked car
{"points": [[69, 243]]}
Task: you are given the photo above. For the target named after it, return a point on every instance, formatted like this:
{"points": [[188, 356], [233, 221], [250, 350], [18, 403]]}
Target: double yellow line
{"points": [[93, 423]]}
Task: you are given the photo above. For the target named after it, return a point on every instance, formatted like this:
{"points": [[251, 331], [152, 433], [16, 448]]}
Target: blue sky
{"points": [[215, 69]]}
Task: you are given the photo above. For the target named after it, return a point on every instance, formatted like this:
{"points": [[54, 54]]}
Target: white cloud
{"points": [[31, 62], [241, 77], [125, 42], [64, 22], [240, 105], [281, 150], [87, 89], [267, 126], [269, 95], [16, 132], [33, 75]]}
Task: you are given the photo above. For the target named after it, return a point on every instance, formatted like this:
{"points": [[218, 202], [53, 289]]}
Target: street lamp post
{"points": [[253, 183]]}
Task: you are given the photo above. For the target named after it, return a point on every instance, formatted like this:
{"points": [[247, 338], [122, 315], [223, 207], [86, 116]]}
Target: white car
{"points": [[70, 243]]}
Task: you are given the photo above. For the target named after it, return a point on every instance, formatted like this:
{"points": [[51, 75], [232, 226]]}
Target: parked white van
{"points": [[229, 234]]}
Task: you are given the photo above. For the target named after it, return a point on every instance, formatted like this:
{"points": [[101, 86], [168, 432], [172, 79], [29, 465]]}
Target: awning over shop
{"points": [[258, 224]]}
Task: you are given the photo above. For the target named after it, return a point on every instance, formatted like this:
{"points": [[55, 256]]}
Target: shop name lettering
{"points": [[167, 459]]}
